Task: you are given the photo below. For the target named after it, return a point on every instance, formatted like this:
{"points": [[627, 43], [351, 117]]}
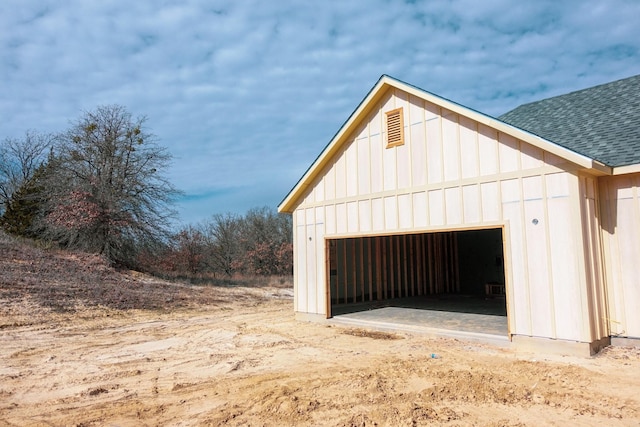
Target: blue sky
{"points": [[245, 94]]}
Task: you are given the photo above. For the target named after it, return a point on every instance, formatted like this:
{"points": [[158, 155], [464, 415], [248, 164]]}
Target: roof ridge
{"points": [[574, 92]]}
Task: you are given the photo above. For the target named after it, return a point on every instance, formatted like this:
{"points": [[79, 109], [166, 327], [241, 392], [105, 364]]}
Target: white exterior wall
{"points": [[620, 207], [453, 173]]}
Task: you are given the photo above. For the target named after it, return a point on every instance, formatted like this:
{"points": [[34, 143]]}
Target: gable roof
{"points": [[370, 102], [601, 122]]}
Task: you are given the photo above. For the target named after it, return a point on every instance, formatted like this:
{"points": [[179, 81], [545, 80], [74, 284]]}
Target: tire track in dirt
{"points": [[252, 364]]}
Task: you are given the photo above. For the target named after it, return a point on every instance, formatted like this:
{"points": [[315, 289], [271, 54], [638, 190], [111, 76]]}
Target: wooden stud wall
{"points": [[384, 267]]}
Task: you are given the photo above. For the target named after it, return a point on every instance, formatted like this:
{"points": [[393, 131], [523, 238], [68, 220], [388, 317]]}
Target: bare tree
{"points": [[223, 238], [108, 190], [266, 242], [19, 161], [190, 249]]}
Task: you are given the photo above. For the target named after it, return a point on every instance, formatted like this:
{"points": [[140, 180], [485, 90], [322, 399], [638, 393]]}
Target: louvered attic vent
{"points": [[395, 128]]}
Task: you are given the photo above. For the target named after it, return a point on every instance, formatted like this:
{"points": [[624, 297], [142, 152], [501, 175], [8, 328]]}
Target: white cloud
{"points": [[245, 94]]}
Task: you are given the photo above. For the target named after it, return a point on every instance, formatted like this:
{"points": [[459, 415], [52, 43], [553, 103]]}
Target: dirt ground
{"points": [[245, 361], [82, 344]]}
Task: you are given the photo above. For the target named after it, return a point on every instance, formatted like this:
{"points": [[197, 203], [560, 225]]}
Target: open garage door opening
{"points": [[452, 271]]}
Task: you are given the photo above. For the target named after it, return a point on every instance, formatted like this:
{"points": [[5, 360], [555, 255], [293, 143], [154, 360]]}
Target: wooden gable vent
{"points": [[395, 128]]}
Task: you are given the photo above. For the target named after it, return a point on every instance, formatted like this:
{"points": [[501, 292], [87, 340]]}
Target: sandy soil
{"points": [[244, 360]]}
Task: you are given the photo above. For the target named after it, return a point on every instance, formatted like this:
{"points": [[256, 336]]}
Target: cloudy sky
{"points": [[245, 94]]}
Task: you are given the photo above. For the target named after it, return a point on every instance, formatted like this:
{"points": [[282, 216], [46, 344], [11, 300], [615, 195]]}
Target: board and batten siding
{"points": [[454, 173], [620, 207]]}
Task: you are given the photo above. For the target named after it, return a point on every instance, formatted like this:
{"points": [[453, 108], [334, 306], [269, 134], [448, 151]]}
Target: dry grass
{"points": [[61, 281]]}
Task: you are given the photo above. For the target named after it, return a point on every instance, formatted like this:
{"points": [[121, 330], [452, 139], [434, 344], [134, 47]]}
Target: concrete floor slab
{"points": [[464, 318]]}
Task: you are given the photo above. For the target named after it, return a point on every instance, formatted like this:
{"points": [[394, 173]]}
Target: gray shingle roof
{"points": [[601, 122]]}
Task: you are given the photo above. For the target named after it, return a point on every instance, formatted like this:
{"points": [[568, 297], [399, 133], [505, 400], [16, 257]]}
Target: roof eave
{"points": [[622, 170]]}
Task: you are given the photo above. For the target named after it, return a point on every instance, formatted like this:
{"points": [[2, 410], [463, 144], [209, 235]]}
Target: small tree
{"points": [[19, 161], [107, 190], [189, 250], [266, 242], [223, 240], [25, 205]]}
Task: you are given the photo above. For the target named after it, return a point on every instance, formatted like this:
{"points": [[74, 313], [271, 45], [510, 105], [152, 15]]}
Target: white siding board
{"points": [[629, 256], [390, 213], [352, 217], [341, 176], [319, 188], [320, 296], [330, 219], [453, 205], [532, 188], [403, 164], [510, 191], [508, 153], [416, 110], [420, 212], [309, 216], [436, 207], [364, 167], [341, 218], [329, 180], [490, 201], [296, 259], [512, 214], [301, 266], [375, 123], [531, 157], [389, 169], [402, 100], [488, 150], [388, 103], [564, 272], [468, 148], [471, 202], [418, 154], [364, 215], [405, 212], [352, 169], [434, 144], [377, 178], [319, 213], [310, 255], [557, 185], [377, 214], [538, 268], [451, 146], [308, 197]]}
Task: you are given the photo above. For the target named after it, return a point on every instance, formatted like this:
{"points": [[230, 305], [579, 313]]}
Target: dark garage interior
{"points": [[454, 271]]}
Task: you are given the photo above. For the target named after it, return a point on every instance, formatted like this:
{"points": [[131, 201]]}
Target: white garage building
{"points": [[417, 196]]}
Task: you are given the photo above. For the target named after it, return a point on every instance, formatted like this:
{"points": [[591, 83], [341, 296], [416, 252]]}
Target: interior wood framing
{"points": [[366, 269]]}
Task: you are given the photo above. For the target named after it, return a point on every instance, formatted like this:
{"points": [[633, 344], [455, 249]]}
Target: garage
{"points": [[456, 271], [425, 209]]}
